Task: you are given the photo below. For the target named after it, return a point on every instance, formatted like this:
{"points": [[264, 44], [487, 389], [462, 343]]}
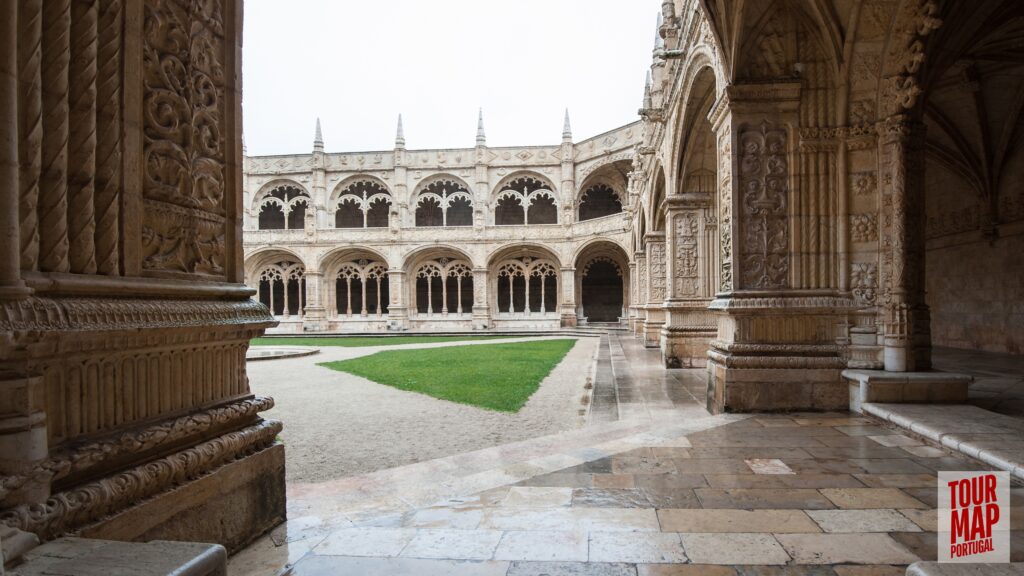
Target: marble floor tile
{"points": [[453, 544], [610, 498], [861, 498], [613, 481], [444, 517], [862, 521], [570, 569], [899, 440], [924, 545], [543, 546], [761, 498], [925, 451], [927, 519], [845, 549], [684, 570], [718, 520], [337, 565], [571, 519], [365, 542], [647, 547], [878, 570], [864, 430], [890, 466], [783, 481], [537, 497], [768, 466], [898, 480], [714, 466], [733, 549]]}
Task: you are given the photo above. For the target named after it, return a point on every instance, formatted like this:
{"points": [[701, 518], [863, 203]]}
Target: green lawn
{"points": [[498, 377], [364, 341]]}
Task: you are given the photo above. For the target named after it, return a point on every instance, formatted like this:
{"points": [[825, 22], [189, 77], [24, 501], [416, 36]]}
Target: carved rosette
{"points": [[763, 172], [686, 229], [184, 221]]}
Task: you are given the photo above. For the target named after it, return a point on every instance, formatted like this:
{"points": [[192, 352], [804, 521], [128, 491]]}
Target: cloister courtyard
{"points": [[612, 466], [742, 324]]}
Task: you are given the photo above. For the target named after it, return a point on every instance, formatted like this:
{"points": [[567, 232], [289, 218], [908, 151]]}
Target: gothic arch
{"points": [[282, 204], [525, 197], [279, 278], [355, 283], [361, 201], [525, 281], [443, 200], [440, 281]]}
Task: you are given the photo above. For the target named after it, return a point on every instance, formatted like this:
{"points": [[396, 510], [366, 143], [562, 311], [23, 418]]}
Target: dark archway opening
{"points": [[601, 293], [509, 212], [271, 217]]}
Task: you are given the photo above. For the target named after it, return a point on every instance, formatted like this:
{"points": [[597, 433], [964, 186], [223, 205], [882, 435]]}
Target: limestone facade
{"points": [[439, 239]]}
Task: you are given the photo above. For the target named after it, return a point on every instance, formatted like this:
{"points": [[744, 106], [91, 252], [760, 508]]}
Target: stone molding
{"points": [[72, 509]]}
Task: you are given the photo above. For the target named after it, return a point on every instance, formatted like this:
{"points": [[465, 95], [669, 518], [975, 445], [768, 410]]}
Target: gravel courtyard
{"points": [[337, 424]]}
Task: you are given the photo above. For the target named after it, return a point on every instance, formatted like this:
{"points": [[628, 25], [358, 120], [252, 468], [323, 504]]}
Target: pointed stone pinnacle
{"points": [[400, 134], [318, 138], [659, 42], [481, 138], [567, 127]]}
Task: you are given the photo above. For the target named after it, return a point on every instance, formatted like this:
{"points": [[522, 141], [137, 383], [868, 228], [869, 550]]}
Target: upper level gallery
{"points": [[468, 192]]}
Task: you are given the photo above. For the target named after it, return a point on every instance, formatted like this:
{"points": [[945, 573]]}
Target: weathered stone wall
{"points": [[976, 293]]}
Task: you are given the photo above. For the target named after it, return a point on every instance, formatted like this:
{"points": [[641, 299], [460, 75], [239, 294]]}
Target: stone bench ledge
{"points": [[947, 569]]}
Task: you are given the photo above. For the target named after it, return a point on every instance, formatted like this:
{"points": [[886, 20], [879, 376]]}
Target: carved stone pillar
{"points": [[568, 288], [640, 304], [398, 309], [314, 317], [776, 344], [481, 299], [634, 295], [124, 392], [657, 283], [907, 332], [689, 325]]}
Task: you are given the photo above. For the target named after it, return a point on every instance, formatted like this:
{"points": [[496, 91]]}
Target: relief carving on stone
{"points": [[864, 281], [864, 227], [725, 218], [763, 182], [686, 230], [656, 254], [184, 135]]}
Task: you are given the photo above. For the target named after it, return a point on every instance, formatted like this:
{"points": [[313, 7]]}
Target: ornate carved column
{"points": [[314, 314], [776, 344], [634, 294], [398, 309], [127, 391], [567, 308], [640, 304], [907, 334], [657, 284], [481, 299], [689, 325]]}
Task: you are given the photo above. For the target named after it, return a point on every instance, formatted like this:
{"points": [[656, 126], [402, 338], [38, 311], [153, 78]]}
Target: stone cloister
{"points": [[817, 193]]}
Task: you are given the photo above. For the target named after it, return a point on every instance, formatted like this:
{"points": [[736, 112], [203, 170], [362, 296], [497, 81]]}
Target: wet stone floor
{"points": [[795, 494]]}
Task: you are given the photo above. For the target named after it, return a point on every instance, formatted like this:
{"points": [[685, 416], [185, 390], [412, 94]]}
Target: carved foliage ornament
{"points": [[184, 131], [656, 257], [686, 228], [763, 184]]}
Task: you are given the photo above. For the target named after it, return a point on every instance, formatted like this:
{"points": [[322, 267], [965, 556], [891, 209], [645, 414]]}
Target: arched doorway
{"points": [[602, 280]]}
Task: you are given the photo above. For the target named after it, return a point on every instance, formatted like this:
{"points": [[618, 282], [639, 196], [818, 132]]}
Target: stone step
{"points": [[87, 557]]}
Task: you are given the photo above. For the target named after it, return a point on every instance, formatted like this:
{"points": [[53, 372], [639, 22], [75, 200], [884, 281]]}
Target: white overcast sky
{"points": [[358, 64]]}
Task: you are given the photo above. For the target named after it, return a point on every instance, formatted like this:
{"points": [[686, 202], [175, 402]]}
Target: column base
{"points": [[569, 321], [905, 387], [685, 347], [232, 506]]}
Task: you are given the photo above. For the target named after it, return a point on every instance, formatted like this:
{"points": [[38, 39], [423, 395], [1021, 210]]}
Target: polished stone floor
{"points": [[998, 378], [661, 489]]}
